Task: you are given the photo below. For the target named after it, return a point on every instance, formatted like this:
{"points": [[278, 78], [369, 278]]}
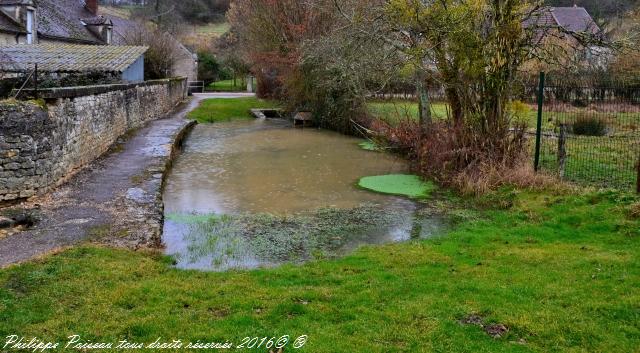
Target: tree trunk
{"points": [[455, 105], [424, 105]]}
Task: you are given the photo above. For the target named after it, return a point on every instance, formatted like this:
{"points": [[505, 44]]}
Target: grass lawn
{"points": [[397, 110], [217, 28], [561, 272], [394, 111], [603, 161], [228, 86], [216, 110]]}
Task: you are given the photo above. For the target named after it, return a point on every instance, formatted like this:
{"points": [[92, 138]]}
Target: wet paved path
{"points": [[117, 199]]}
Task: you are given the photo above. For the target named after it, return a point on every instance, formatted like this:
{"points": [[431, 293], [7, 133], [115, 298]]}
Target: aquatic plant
{"points": [[370, 146], [398, 184], [286, 238]]}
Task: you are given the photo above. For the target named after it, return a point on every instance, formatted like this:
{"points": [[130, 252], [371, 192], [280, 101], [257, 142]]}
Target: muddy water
{"points": [[266, 167]]}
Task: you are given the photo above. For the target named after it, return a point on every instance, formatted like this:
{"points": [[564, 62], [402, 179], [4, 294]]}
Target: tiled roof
{"points": [[16, 2], [9, 25], [120, 28], [72, 58], [571, 19], [575, 19], [62, 19]]}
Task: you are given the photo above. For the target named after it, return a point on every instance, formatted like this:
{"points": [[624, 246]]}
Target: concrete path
{"points": [[116, 200]]}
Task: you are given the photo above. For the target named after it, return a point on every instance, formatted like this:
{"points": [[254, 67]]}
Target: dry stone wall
{"points": [[42, 144]]}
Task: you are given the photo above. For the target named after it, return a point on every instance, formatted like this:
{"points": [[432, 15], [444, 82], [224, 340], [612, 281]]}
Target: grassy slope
{"points": [[216, 110], [216, 29], [120, 11], [561, 272]]}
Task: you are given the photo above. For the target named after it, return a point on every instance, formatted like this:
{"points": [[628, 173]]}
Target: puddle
{"points": [[259, 193]]}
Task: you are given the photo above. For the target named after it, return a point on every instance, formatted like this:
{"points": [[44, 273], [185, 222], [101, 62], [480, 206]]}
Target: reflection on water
{"points": [[249, 169]]}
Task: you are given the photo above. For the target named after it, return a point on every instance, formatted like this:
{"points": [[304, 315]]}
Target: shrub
{"points": [[208, 68], [589, 125], [456, 157], [518, 111]]}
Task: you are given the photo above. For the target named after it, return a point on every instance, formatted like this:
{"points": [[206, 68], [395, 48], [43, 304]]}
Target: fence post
{"points": [[36, 81], [539, 125], [562, 150]]}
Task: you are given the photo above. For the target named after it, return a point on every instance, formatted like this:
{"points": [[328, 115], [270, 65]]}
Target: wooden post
{"points": [[536, 165], [36, 81], [562, 150]]}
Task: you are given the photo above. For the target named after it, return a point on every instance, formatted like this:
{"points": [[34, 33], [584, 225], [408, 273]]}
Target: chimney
{"points": [[91, 6]]}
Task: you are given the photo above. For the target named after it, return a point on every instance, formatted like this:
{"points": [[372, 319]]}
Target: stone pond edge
{"points": [[164, 167]]}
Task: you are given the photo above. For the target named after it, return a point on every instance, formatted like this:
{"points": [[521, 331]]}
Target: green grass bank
{"points": [[559, 271], [223, 109]]}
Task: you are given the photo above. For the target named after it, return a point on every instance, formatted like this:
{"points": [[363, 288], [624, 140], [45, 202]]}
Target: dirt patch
{"points": [[472, 319], [495, 330], [16, 220]]}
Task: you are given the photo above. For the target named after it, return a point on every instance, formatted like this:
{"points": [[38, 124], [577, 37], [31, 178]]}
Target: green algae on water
{"points": [[370, 146], [398, 184]]}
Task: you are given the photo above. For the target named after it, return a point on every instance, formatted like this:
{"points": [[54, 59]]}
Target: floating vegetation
{"points": [[398, 184], [190, 218], [370, 146], [265, 238]]}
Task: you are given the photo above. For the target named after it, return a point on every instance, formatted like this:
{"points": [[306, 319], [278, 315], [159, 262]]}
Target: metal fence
{"points": [[588, 131]]}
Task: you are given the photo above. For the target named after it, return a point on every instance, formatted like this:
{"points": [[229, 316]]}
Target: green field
{"points": [[559, 272], [599, 161], [217, 110], [228, 86], [394, 111]]}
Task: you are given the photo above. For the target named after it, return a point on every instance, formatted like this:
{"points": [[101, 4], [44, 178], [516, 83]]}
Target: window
{"points": [[31, 26]]}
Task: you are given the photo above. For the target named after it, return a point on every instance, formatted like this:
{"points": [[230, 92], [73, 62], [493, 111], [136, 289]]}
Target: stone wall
{"points": [[41, 145]]}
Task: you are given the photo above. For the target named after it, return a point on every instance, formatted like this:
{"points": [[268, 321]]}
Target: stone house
{"points": [[564, 29], [73, 22]]}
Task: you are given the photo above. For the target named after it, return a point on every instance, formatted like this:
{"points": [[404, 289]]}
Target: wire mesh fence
{"points": [[589, 131]]}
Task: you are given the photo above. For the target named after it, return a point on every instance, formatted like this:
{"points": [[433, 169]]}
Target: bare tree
{"points": [[162, 54]]}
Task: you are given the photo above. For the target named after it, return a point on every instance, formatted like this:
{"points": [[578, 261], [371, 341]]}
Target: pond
{"points": [[260, 193]]}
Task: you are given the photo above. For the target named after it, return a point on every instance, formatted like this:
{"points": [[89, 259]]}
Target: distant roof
{"points": [[575, 19], [9, 25], [571, 19], [15, 2], [70, 57], [64, 19], [120, 28]]}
